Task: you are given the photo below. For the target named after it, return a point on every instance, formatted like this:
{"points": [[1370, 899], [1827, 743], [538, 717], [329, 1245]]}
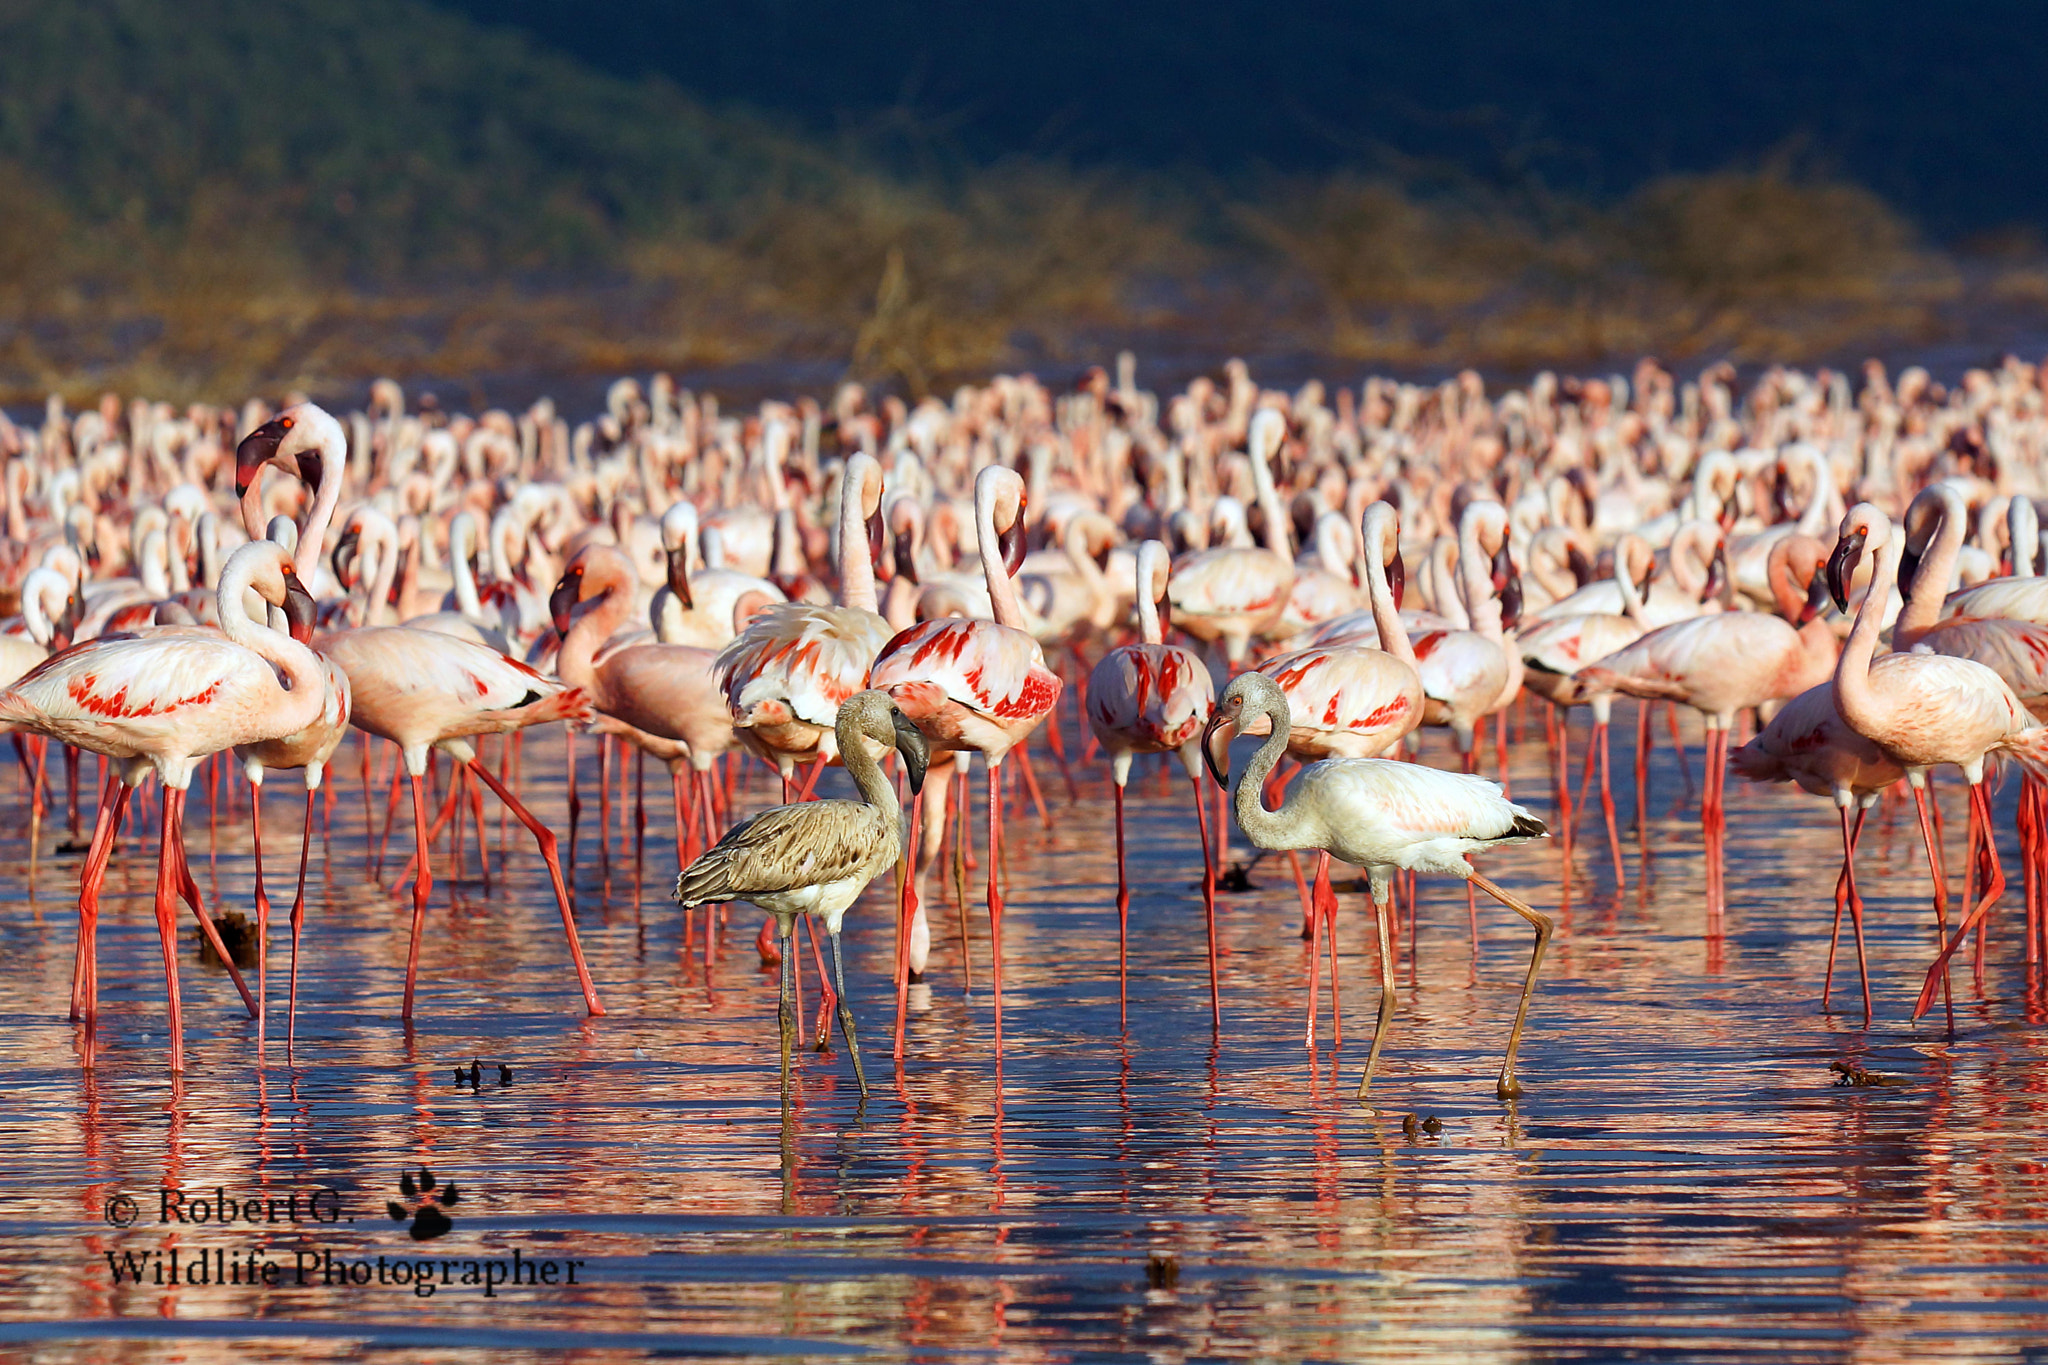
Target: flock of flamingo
{"points": [[1847, 572]]}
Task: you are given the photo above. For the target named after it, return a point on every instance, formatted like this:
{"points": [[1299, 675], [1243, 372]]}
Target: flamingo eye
{"points": [[285, 422]]}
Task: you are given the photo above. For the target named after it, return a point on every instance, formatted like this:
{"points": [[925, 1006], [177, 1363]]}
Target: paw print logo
{"points": [[428, 1205]]}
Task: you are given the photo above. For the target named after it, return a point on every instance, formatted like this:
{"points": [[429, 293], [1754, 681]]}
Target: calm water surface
{"points": [[1681, 1181]]}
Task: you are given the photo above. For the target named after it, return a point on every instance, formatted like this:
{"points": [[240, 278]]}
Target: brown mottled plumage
{"points": [[816, 857]]}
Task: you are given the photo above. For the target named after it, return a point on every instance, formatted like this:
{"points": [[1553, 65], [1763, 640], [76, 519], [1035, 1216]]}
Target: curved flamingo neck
{"points": [[1268, 829], [1443, 583], [462, 544], [1475, 568], [1151, 587], [313, 536], [304, 677], [1002, 592], [856, 568], [1859, 703], [1386, 617], [600, 618], [1813, 520], [1629, 551], [1930, 582]]}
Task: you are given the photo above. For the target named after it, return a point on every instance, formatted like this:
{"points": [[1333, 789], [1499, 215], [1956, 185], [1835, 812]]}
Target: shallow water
{"points": [[1681, 1180]]}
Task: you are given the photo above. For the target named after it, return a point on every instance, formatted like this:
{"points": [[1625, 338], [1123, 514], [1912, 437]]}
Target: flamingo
{"points": [[816, 857], [421, 690], [1924, 709], [161, 703], [978, 685], [787, 674], [1152, 698], [664, 696], [1377, 814], [1227, 595], [1725, 663], [1809, 743]]}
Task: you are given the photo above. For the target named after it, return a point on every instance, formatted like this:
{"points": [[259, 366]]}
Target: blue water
{"points": [[1682, 1179]]}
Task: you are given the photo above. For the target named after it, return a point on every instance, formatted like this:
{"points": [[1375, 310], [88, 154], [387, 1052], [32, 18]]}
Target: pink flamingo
{"points": [[1555, 649], [421, 690], [1230, 594], [306, 441], [161, 702], [978, 685], [662, 697], [1725, 663], [1153, 698], [1809, 743], [1924, 709]]}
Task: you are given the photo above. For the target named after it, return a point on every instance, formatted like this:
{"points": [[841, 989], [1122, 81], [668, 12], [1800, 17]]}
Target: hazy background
{"points": [[221, 195]]}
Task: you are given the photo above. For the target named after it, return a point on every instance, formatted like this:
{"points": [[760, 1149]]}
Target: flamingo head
{"points": [[1841, 565], [567, 593], [1223, 726], [1507, 581], [301, 612]]}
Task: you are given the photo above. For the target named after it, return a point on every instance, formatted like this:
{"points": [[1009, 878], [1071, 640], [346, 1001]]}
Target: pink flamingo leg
{"points": [[1209, 874], [1932, 843], [291, 1012], [1326, 896], [166, 924], [262, 918], [190, 889], [422, 887], [1123, 913], [995, 894], [85, 993], [1980, 802], [544, 839]]}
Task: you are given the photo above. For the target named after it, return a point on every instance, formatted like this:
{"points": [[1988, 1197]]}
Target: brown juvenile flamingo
{"points": [[1152, 698], [816, 857], [978, 685], [161, 702], [1378, 814]]}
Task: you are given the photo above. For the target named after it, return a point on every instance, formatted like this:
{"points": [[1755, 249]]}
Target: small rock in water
{"points": [[1848, 1073], [237, 934]]}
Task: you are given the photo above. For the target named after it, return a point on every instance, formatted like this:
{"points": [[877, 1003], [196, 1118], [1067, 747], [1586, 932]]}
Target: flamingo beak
{"points": [[877, 539], [910, 742], [1217, 756], [679, 577], [563, 599], [1816, 598], [257, 449], [1397, 579], [1842, 565], [906, 559], [300, 611], [65, 630], [1510, 594], [1011, 542], [344, 552], [1581, 567]]}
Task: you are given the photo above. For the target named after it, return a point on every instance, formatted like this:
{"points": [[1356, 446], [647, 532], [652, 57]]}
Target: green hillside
{"points": [[219, 195]]}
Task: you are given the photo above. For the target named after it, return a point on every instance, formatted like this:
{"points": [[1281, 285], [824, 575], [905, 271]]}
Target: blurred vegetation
{"points": [[225, 195]]}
